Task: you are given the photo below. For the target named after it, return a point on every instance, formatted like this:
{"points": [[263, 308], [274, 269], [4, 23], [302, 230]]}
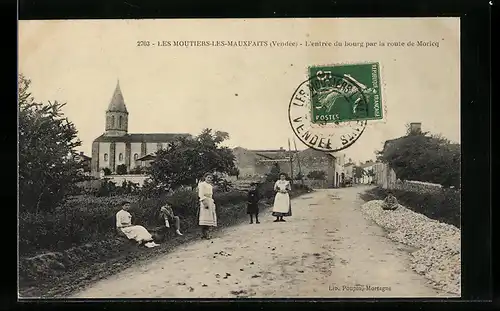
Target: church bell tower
{"points": [[117, 114]]}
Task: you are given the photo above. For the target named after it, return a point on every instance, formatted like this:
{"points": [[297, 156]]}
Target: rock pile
{"points": [[438, 244]]}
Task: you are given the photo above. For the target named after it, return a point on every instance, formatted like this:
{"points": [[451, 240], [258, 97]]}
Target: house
{"points": [[257, 163], [349, 170], [118, 147], [253, 163], [85, 161], [369, 172]]}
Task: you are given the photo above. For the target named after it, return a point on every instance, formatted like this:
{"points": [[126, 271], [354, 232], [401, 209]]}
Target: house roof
{"points": [[139, 138], [117, 102], [349, 164], [147, 157], [81, 157]]}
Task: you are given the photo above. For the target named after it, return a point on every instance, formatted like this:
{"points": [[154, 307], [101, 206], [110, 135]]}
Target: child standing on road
{"points": [[253, 203]]}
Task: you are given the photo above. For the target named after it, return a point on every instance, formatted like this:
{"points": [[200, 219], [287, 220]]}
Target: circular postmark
{"points": [[318, 108]]}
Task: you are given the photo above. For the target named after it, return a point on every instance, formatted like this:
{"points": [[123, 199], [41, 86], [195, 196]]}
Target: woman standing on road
{"points": [[282, 206], [207, 215]]}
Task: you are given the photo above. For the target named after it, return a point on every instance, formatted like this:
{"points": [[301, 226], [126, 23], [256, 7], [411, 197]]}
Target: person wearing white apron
{"points": [[207, 212], [282, 206]]}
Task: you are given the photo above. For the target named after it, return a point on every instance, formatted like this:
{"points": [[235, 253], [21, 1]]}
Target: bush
{"points": [[121, 169], [318, 175], [86, 218], [443, 205], [424, 158], [274, 173]]}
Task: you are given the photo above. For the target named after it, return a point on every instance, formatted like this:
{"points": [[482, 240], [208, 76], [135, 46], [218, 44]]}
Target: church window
{"points": [[136, 156], [112, 121], [105, 157], [120, 122], [120, 157]]}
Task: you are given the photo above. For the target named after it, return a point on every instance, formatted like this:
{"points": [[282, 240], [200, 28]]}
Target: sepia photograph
{"points": [[239, 158]]}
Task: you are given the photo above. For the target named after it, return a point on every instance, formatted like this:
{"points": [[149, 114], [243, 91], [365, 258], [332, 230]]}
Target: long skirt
{"points": [[282, 206], [208, 216], [138, 233]]}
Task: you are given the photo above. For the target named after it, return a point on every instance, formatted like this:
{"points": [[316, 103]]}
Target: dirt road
{"points": [[327, 249]]}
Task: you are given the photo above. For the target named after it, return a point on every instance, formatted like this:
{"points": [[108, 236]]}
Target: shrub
{"points": [[139, 170], [106, 171], [121, 169], [318, 175], [274, 173]]}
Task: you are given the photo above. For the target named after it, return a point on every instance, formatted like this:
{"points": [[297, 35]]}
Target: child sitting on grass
{"points": [[168, 215]]}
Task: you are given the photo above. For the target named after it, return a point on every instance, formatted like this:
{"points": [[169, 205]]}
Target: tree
{"points": [[318, 175], [186, 160], [428, 158], [106, 171], [358, 172], [47, 142], [121, 169], [274, 173]]}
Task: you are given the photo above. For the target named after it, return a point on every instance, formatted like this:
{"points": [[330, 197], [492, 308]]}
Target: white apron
{"points": [[281, 200], [207, 216]]}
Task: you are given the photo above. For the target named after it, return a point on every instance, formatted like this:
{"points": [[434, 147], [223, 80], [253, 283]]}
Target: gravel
{"points": [[438, 244]]}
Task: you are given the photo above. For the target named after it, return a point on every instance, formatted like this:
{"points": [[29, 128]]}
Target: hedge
{"points": [[83, 219]]}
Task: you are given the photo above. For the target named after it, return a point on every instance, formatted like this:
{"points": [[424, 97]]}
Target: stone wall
{"points": [[387, 179], [118, 179]]}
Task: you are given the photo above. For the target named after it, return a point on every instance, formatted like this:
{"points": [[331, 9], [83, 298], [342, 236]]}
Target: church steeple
{"points": [[117, 114]]}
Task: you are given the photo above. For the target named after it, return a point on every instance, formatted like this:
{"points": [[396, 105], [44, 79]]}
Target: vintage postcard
{"points": [[239, 158]]}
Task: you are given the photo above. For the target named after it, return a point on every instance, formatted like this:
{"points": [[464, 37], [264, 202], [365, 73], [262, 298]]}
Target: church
{"points": [[116, 146]]}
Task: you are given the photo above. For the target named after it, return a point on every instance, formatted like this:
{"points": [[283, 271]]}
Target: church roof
{"points": [[139, 138], [117, 102]]}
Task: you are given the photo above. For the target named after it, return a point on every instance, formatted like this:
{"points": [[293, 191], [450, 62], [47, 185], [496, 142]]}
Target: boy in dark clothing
{"points": [[253, 203]]}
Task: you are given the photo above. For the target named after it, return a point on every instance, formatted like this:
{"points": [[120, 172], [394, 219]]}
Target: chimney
{"points": [[81, 152], [415, 127], [281, 148]]}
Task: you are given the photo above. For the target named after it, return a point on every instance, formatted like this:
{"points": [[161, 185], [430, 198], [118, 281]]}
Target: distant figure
{"points": [[253, 203], [168, 215], [207, 214], [282, 206], [132, 232], [390, 202]]}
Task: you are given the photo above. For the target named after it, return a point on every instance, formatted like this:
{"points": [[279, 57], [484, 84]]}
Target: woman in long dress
{"points": [[132, 232], [207, 215], [282, 206]]}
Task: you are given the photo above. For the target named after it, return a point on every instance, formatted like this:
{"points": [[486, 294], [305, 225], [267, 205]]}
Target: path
{"points": [[327, 249]]}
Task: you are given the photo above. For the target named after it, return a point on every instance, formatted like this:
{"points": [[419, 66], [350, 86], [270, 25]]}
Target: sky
{"points": [[244, 91]]}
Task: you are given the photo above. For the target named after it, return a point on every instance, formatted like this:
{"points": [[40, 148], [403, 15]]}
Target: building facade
{"points": [[117, 147], [257, 163]]}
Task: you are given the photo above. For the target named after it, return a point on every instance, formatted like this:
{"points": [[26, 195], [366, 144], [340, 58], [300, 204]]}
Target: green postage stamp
{"points": [[346, 92]]}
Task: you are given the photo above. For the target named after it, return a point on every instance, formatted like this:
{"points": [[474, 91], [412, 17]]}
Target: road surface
{"points": [[326, 249]]}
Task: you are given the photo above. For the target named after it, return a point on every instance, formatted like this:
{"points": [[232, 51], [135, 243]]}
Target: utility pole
{"points": [[298, 162], [291, 161]]}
